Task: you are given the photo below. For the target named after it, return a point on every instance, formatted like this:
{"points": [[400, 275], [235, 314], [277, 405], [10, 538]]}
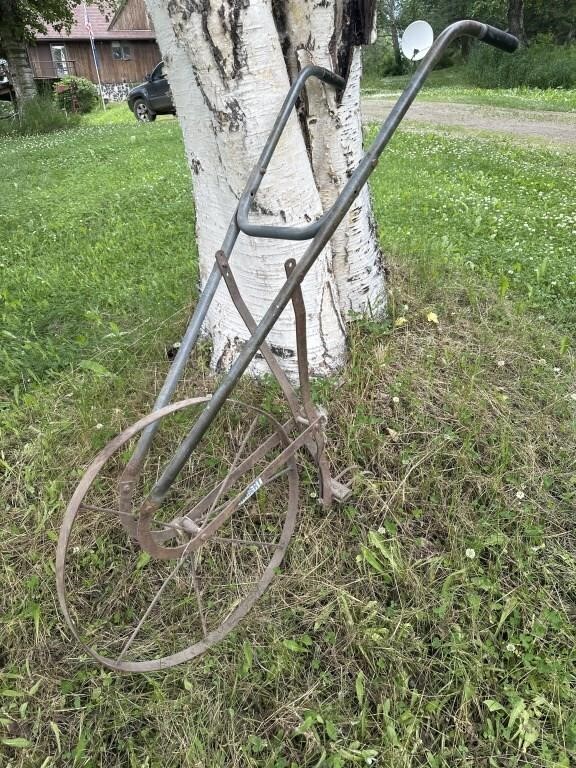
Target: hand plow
{"points": [[181, 548]]}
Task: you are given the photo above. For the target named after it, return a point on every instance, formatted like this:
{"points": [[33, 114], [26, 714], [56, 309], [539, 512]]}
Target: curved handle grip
{"points": [[500, 39], [305, 231]]}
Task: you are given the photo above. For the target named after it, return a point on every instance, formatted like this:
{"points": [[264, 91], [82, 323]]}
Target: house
{"points": [[124, 44]]}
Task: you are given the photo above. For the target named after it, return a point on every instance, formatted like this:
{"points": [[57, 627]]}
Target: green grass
{"points": [[114, 114], [490, 206], [425, 623], [449, 85], [75, 272]]}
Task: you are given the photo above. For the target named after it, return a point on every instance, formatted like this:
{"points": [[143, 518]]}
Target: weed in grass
{"points": [[38, 116]]}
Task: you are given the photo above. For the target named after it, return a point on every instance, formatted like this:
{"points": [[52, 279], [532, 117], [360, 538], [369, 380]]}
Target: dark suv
{"points": [[152, 97]]}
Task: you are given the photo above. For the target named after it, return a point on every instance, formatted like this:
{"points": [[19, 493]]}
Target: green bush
{"points": [[83, 90], [378, 59], [541, 65], [40, 115]]}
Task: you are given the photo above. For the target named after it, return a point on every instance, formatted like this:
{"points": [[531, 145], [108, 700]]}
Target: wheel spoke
{"points": [[247, 542], [153, 602], [119, 513], [198, 594], [229, 479]]}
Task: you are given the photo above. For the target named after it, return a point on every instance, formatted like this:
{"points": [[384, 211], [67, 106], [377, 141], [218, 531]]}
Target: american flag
{"points": [[87, 22]]}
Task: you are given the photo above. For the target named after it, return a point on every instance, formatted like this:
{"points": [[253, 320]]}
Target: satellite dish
{"points": [[417, 40]]}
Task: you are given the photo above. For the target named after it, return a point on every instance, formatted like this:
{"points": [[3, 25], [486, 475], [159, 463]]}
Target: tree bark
{"points": [[396, 47], [230, 65], [516, 19], [391, 17], [20, 70]]}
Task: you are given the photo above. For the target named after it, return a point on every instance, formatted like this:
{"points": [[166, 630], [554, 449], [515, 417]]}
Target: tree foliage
{"points": [[557, 19], [22, 19]]}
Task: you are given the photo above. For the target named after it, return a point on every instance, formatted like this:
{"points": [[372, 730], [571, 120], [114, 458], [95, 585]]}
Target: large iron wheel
{"points": [[181, 582]]}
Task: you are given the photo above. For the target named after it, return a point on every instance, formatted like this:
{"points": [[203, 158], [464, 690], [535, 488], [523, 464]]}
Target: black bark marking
{"points": [[195, 165], [230, 348], [279, 16], [357, 25], [231, 26], [239, 56], [232, 118], [282, 352], [256, 206]]}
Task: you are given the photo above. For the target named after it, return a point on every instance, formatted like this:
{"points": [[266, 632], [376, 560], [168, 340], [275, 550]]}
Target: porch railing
{"points": [[52, 70]]}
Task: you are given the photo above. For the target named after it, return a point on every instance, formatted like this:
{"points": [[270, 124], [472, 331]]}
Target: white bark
{"points": [[229, 77], [335, 131]]}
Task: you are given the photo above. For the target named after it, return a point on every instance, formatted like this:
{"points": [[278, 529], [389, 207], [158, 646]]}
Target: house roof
{"points": [[101, 23]]}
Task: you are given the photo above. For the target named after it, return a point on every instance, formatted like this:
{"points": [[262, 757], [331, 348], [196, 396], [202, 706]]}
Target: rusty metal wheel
{"points": [[181, 582]]}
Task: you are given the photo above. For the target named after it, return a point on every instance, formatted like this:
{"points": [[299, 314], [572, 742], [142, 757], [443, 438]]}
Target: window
{"points": [[121, 51], [158, 73], [59, 60]]}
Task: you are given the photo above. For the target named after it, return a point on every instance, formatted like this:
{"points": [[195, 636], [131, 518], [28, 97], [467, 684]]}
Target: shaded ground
{"points": [[549, 126]]}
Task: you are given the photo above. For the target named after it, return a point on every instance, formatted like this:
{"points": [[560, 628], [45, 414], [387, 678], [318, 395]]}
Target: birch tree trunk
{"points": [[230, 64], [21, 73]]}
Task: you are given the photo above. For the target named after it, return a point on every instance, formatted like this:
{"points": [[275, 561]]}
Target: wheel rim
{"points": [[224, 553], [142, 112]]}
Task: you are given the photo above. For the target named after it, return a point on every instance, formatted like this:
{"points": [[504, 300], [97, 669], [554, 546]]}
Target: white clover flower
{"points": [[511, 647], [396, 400], [501, 363], [98, 426], [520, 495], [470, 553]]}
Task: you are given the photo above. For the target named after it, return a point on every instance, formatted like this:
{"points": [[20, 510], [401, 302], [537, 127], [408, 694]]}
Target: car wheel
{"points": [[142, 112]]}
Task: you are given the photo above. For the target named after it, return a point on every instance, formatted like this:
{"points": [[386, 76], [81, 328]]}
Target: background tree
{"points": [[525, 18], [391, 11], [20, 20], [557, 19], [230, 67], [515, 17]]}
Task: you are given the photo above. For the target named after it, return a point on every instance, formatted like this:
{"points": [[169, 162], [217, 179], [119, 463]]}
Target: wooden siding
{"points": [[132, 15], [145, 56]]}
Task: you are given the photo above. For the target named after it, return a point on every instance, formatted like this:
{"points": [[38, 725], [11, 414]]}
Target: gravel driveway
{"points": [[554, 127]]}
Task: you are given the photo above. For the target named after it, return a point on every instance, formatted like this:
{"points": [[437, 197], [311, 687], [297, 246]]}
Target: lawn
{"points": [[449, 85], [426, 623]]}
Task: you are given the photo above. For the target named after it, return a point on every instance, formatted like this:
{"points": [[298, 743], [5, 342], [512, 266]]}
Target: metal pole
{"points": [[94, 54]]}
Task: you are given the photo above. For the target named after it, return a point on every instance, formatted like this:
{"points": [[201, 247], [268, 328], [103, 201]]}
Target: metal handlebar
{"points": [[307, 231], [484, 32], [328, 224], [500, 39]]}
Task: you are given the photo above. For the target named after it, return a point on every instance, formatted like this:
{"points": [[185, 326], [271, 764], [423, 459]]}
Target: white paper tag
{"points": [[251, 490]]}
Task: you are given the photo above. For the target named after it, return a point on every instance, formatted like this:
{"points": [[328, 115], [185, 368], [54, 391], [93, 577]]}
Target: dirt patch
{"points": [[555, 127]]}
